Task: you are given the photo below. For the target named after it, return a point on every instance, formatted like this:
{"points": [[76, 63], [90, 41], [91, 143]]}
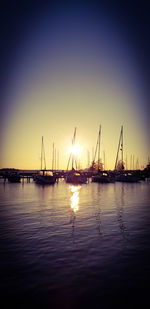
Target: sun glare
{"points": [[75, 150]]}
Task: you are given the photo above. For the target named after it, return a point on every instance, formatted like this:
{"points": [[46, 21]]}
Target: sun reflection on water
{"points": [[75, 197]]}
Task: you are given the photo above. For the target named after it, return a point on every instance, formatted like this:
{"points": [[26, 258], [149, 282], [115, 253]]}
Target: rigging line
{"points": [[41, 152], [97, 143], [120, 139], [99, 147], [44, 155]]}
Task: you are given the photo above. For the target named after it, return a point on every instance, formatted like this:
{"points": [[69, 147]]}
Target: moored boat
{"points": [[127, 177], [103, 177], [76, 177], [45, 177], [14, 177]]}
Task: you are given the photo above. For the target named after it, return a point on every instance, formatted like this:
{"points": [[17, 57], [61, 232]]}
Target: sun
{"points": [[75, 150]]}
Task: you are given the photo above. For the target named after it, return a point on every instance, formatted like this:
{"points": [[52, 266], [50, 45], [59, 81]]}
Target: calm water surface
{"points": [[66, 246]]}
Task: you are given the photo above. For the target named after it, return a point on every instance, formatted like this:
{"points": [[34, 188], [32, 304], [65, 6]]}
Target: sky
{"points": [[67, 64]]}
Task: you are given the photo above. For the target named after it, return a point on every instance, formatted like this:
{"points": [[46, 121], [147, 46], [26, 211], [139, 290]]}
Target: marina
{"points": [[136, 175], [75, 155], [74, 175], [75, 237]]}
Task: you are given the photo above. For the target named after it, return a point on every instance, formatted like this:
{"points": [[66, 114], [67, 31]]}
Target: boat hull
{"points": [[45, 180], [101, 179], [76, 179], [14, 178], [127, 179]]}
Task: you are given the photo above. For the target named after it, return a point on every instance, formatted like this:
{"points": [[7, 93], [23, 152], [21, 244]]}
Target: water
{"points": [[66, 246]]}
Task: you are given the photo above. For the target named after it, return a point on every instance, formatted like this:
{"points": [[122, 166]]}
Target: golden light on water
{"points": [[75, 197]]}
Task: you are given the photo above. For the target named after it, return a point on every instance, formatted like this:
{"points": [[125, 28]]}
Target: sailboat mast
{"points": [[99, 135], [53, 158], [97, 145], [71, 155], [44, 157], [120, 144], [73, 142], [43, 154]]}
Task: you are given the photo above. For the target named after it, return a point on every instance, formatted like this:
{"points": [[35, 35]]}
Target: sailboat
{"points": [[14, 177], [120, 174], [101, 176], [44, 176], [74, 176]]}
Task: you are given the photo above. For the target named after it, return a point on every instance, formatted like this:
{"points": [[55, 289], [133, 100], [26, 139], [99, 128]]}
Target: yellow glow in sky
{"points": [[82, 81], [75, 150], [50, 114]]}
